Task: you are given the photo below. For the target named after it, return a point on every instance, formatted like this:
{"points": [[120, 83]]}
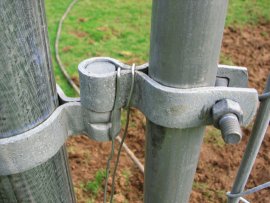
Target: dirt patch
{"points": [[76, 80], [250, 47], [67, 49], [78, 34], [82, 20]]}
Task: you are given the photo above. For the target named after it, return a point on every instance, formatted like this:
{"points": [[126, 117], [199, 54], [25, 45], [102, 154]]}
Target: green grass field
{"points": [[120, 29]]}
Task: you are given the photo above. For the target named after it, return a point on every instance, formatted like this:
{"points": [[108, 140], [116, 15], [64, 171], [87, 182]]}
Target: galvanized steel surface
{"points": [[183, 108], [71, 118], [226, 106], [230, 128], [47, 183], [185, 44], [228, 116], [186, 35], [28, 97], [25, 65], [237, 76], [169, 163], [36, 146]]}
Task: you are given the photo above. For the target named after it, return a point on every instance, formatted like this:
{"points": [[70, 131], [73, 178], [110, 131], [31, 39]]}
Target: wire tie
{"points": [[125, 131], [248, 192]]}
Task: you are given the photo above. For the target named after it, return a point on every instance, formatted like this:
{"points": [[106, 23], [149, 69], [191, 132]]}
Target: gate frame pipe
{"points": [[28, 97], [186, 39]]}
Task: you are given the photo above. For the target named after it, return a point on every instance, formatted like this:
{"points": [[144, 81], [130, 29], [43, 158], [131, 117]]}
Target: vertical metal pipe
{"points": [[185, 44], [253, 146], [27, 97]]}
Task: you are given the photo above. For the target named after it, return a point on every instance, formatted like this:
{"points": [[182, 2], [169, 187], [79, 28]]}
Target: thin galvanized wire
{"points": [[125, 131], [108, 172], [117, 85], [76, 88], [249, 191], [264, 96]]}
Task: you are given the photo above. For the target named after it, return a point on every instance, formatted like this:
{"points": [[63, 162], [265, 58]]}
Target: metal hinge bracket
{"points": [[91, 114]]}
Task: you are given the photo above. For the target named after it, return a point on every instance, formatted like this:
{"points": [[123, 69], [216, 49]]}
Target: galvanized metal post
{"points": [[27, 98], [185, 44]]}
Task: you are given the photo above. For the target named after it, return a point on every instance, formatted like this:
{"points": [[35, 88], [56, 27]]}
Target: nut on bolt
{"points": [[227, 116]]}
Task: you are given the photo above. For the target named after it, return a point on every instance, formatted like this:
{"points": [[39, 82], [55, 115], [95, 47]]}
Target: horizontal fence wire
{"points": [[250, 191]]}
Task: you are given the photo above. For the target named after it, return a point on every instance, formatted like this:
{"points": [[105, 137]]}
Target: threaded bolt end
{"points": [[230, 128]]}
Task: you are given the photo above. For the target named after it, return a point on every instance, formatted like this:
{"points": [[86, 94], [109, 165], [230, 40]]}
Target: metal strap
{"points": [[29, 149]]}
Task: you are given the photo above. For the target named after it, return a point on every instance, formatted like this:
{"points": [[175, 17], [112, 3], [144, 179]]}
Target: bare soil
{"points": [[249, 47]]}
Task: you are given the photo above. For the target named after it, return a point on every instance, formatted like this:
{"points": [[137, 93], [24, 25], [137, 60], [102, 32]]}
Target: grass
{"points": [[127, 174], [115, 28], [208, 192], [223, 59], [242, 12], [94, 186], [214, 137]]}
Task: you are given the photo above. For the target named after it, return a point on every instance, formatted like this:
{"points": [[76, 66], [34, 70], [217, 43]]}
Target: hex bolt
{"points": [[227, 116], [230, 128]]}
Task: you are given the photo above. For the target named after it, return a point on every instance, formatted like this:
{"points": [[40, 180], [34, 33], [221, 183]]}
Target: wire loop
{"points": [[117, 85], [264, 96], [124, 135], [249, 191]]}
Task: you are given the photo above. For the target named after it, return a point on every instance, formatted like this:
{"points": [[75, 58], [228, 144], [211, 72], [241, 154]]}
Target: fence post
{"points": [[185, 44], [27, 98]]}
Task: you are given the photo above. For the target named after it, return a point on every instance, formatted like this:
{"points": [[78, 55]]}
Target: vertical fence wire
{"points": [[257, 135]]}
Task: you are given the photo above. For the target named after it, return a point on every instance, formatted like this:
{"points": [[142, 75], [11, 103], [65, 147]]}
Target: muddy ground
{"points": [[249, 47]]}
